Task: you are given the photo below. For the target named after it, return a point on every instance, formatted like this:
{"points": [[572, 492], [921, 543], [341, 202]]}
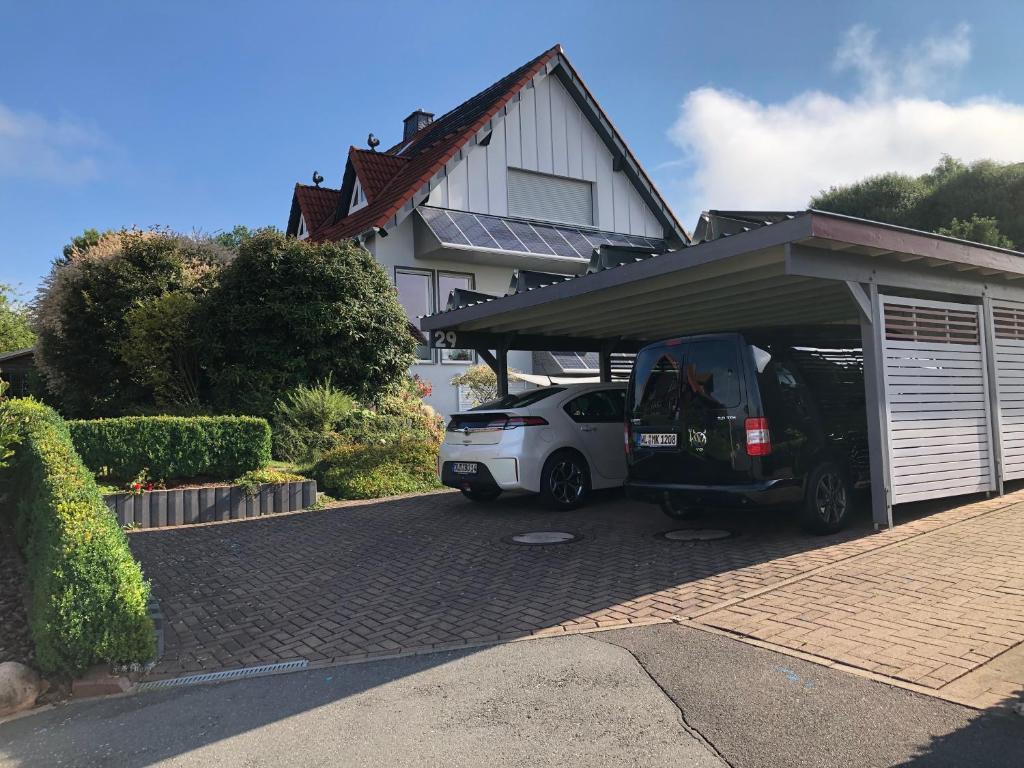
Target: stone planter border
{"points": [[186, 506]]}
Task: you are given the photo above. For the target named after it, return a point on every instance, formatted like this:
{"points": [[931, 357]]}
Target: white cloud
{"points": [[34, 147], [748, 154]]}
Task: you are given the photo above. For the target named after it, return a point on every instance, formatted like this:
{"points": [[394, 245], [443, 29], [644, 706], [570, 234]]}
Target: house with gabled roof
{"points": [[528, 176]]}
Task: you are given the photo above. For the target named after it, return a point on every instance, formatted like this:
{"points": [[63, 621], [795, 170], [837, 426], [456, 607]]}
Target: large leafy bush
{"points": [[288, 312], [172, 447], [89, 598], [375, 470], [83, 312]]}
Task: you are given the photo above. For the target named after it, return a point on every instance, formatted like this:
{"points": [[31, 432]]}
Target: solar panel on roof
{"points": [[442, 225], [473, 229], [529, 237], [555, 241], [501, 233], [480, 230]]}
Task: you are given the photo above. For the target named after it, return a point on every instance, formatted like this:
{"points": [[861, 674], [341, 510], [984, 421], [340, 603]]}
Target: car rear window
{"points": [[520, 399], [656, 384]]}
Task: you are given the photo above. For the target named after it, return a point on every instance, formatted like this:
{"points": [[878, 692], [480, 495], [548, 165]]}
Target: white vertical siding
{"points": [[476, 170], [546, 132]]}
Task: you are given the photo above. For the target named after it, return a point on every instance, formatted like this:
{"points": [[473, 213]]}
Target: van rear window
{"points": [[713, 373], [657, 385]]}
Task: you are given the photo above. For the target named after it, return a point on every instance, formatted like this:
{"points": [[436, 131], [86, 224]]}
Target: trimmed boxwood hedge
{"points": [[171, 447], [89, 597]]}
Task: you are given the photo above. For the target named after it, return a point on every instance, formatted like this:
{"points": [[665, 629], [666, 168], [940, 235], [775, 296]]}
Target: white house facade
{"points": [[528, 176]]}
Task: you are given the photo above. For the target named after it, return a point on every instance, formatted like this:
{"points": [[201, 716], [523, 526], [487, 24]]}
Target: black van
{"points": [[763, 418]]}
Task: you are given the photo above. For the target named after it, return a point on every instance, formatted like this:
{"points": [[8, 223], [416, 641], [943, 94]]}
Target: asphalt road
{"points": [[652, 696]]}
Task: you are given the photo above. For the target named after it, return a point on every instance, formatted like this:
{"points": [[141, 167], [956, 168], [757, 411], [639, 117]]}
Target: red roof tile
{"points": [[375, 169], [429, 149], [316, 203]]}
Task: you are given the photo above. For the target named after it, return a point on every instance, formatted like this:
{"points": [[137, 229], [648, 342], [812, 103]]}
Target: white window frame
{"points": [[302, 232], [358, 197], [446, 353], [431, 302]]}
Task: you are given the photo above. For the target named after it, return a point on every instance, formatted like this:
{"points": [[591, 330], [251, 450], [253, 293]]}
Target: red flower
{"points": [[149, 486]]}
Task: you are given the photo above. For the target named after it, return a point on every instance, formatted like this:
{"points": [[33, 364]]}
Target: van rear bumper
{"points": [[767, 493]]}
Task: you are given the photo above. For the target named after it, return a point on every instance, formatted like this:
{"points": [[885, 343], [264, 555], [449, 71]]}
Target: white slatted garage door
{"points": [[1008, 335], [936, 384]]}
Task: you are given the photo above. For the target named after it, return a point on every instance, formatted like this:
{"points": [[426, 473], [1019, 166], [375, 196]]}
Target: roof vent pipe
{"points": [[415, 122]]}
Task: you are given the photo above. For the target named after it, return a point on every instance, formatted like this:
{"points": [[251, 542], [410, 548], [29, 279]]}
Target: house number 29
{"points": [[444, 339]]}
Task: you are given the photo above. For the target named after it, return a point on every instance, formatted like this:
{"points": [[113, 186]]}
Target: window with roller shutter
{"points": [[550, 198]]}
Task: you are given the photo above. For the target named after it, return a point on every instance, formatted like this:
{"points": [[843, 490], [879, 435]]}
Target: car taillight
{"points": [[522, 421], [759, 439]]}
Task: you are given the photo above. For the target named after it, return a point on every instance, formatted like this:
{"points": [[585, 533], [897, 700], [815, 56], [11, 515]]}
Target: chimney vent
{"points": [[415, 122]]}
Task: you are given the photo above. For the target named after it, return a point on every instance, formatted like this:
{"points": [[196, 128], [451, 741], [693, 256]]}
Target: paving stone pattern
{"points": [[432, 572]]}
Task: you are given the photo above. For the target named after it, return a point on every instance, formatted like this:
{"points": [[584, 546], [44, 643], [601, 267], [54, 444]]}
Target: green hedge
{"points": [[374, 470], [88, 595], [170, 447]]}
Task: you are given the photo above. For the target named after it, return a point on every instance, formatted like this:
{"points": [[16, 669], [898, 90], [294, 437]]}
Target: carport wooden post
{"points": [[871, 329], [498, 362]]}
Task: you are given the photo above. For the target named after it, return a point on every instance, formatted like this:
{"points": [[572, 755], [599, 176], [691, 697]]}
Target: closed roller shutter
{"points": [[550, 198], [936, 387], [1008, 335]]}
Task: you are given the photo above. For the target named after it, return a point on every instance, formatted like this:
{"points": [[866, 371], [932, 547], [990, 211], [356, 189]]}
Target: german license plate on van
{"points": [[464, 467], [657, 439]]}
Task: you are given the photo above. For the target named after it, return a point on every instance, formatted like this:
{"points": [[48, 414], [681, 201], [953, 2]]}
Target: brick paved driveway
{"points": [[927, 601]]}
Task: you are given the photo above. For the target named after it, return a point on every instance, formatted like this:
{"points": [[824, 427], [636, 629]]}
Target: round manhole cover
{"points": [[543, 537], [697, 534]]}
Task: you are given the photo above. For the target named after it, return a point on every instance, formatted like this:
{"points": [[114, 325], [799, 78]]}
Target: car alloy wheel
{"points": [[830, 498], [566, 482]]}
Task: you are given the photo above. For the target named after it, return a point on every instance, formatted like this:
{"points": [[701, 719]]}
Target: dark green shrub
{"points": [[171, 447], [88, 594], [371, 470], [287, 312]]}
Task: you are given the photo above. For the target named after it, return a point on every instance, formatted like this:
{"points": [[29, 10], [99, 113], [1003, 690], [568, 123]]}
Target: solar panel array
{"points": [[477, 230], [575, 361]]}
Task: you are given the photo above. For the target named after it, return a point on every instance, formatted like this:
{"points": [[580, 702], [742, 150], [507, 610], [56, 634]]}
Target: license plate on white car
{"points": [[464, 467], [657, 439]]}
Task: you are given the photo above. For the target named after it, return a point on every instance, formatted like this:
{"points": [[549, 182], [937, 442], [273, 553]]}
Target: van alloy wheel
{"points": [[830, 498], [566, 482]]}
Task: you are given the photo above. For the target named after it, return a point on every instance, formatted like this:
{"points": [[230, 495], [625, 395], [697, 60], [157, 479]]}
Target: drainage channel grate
{"points": [[229, 674], [536, 538]]}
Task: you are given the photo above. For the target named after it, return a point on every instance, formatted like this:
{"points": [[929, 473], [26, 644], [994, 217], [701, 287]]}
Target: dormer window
{"points": [[358, 198], [302, 232]]}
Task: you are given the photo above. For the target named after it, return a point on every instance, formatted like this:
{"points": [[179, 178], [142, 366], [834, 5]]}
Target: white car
{"points": [[560, 441]]}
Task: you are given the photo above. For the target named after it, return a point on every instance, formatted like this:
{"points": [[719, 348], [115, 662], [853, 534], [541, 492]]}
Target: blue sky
{"points": [[203, 115]]}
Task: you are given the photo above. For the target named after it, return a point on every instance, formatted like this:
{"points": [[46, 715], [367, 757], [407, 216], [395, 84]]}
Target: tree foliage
{"points": [[83, 312], [288, 312], [15, 327], [985, 198]]}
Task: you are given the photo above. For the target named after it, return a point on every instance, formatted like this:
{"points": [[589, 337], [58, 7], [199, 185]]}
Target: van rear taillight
{"points": [[759, 439]]}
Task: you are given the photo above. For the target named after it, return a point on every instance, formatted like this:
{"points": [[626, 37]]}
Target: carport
{"points": [[942, 328]]}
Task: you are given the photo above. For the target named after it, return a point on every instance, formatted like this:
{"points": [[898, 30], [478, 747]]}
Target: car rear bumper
{"points": [[490, 474], [766, 493]]}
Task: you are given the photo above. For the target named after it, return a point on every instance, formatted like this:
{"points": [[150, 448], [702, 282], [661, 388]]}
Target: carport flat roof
{"points": [[793, 269]]}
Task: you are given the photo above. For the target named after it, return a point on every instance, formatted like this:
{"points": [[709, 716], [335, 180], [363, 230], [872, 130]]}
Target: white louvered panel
{"points": [[550, 198], [1008, 331], [936, 384]]}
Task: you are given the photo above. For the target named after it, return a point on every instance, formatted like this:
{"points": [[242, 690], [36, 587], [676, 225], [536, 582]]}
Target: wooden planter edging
{"points": [[184, 506]]}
